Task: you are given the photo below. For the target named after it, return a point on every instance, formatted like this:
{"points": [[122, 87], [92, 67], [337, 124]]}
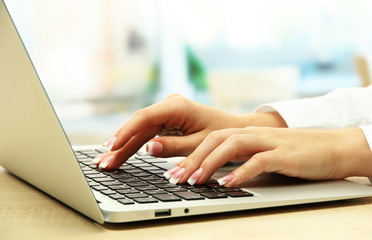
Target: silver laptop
{"points": [[35, 148]]}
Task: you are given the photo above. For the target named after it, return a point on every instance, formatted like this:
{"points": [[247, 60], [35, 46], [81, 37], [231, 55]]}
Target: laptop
{"points": [[35, 148]]}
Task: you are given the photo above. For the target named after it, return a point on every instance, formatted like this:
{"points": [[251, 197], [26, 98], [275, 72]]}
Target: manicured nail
{"points": [[154, 148], [177, 176], [97, 159], [195, 176], [109, 144], [222, 181], [105, 162], [168, 174]]}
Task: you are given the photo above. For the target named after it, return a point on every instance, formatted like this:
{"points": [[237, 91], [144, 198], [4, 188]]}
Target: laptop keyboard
{"points": [[140, 180]]}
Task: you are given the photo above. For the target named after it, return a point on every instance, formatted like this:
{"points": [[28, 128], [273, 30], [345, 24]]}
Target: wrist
{"points": [[360, 154]]}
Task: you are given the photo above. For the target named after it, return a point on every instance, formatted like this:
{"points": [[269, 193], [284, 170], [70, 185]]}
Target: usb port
{"points": [[163, 213]]}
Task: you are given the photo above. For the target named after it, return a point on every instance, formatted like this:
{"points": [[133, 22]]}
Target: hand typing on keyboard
{"points": [[210, 138]]}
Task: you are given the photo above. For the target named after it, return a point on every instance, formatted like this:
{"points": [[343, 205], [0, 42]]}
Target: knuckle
{"points": [[190, 163], [174, 147], [171, 96], [180, 101], [215, 136], [183, 102], [142, 115], [234, 140], [262, 160]]}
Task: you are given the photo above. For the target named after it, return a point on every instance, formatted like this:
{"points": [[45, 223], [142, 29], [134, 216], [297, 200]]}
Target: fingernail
{"points": [[195, 176], [177, 176], [105, 162], [168, 174], [154, 148], [109, 144], [97, 159], [222, 181]]}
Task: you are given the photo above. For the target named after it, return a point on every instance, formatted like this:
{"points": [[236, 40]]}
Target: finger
{"points": [[157, 115], [258, 164], [210, 143], [118, 157], [170, 146], [172, 96], [234, 147]]}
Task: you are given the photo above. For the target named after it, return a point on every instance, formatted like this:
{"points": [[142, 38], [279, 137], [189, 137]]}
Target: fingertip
{"points": [[225, 180], [154, 148], [105, 163], [97, 159], [109, 144]]}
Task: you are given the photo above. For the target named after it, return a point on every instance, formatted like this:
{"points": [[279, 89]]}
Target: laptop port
{"points": [[163, 213]]}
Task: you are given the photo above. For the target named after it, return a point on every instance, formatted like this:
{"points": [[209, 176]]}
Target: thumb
{"points": [[171, 146]]}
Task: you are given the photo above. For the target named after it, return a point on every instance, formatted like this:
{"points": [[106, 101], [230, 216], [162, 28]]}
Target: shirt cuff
{"points": [[304, 113], [367, 130]]}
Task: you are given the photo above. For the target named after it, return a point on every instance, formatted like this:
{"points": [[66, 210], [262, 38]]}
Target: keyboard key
{"points": [[93, 183], [137, 195], [108, 191], [133, 161], [98, 175], [176, 189], [87, 151], [213, 195], [189, 195], [163, 165], [121, 175], [150, 178], [125, 201], [116, 196], [100, 150], [134, 171], [129, 180], [201, 189], [119, 187], [146, 188], [213, 185], [137, 184], [167, 197], [89, 172], [165, 185], [239, 194], [158, 172], [110, 183], [126, 167], [99, 188], [143, 174], [141, 164], [106, 179], [127, 191], [152, 169], [155, 191], [146, 200], [82, 157], [227, 189]]}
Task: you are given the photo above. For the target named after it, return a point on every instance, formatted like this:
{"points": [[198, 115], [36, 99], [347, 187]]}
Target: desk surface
{"points": [[26, 213]]}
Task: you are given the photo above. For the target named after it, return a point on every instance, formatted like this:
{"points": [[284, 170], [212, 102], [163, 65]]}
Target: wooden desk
{"points": [[26, 213]]}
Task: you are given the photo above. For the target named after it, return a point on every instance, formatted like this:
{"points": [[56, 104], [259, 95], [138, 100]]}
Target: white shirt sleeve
{"points": [[367, 130], [342, 108]]}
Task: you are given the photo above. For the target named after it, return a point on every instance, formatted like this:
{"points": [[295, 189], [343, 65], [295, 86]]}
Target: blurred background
{"points": [[101, 60]]}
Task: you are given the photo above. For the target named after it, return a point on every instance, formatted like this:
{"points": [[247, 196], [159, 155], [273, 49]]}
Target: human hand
{"points": [[307, 154], [194, 120]]}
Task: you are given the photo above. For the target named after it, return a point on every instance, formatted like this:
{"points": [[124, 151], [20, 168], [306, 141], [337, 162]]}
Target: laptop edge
{"points": [[28, 114]]}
